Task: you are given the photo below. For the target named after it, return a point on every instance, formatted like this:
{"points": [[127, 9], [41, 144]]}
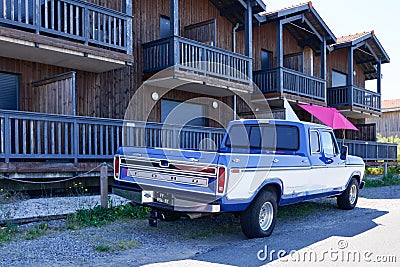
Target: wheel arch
{"points": [[275, 184]]}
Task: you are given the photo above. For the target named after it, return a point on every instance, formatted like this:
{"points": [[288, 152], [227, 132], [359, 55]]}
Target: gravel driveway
{"points": [[207, 241]]}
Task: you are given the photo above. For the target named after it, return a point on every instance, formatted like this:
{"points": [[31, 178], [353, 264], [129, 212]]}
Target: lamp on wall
{"points": [[354, 73], [215, 104], [154, 96]]}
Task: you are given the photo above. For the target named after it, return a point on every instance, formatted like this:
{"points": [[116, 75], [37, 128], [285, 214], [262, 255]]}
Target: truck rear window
{"points": [[263, 137]]}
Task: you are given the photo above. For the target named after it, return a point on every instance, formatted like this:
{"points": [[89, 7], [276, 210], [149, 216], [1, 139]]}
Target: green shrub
{"points": [[386, 180], [99, 216]]}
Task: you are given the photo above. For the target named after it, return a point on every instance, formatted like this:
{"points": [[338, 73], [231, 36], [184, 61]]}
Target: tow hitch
{"points": [[153, 218]]}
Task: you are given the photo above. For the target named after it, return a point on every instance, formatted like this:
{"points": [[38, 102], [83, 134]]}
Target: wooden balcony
{"points": [[278, 81], [66, 33], [355, 101], [196, 62]]}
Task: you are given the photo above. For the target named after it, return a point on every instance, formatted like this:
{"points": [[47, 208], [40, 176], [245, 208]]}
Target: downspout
{"points": [[234, 29]]}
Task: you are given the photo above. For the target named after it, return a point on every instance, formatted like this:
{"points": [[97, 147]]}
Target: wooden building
{"points": [[388, 124], [72, 70]]}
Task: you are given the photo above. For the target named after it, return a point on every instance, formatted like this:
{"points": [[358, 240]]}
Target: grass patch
{"points": [[386, 180], [100, 216], [37, 231], [116, 246], [14, 233]]}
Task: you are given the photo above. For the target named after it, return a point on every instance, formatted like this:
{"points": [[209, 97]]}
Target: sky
{"points": [[346, 17]]}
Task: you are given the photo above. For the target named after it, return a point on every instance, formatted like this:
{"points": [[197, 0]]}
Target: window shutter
{"points": [[9, 91]]}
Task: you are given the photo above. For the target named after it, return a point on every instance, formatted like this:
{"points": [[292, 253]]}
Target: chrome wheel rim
{"points": [[266, 216], [353, 194]]}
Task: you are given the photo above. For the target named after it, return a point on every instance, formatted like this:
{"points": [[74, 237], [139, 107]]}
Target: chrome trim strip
{"points": [[166, 187]]}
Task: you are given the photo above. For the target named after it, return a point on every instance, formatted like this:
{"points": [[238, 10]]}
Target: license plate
{"points": [[164, 198]]}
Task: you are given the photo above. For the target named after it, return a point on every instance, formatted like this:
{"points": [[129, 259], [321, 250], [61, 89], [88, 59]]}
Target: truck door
{"points": [[335, 167]]}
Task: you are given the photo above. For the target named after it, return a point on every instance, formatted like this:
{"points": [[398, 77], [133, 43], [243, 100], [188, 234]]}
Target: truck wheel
{"points": [[259, 219], [348, 199], [168, 216]]}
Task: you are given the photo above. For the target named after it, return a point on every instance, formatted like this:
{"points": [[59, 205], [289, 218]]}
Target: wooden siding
{"points": [[388, 124], [55, 95], [337, 60]]}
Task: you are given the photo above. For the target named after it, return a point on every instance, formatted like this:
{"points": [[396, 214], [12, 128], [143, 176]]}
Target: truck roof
{"points": [[282, 122]]}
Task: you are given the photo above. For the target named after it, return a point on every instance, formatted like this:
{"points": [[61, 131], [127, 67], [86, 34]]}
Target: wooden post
{"points": [[104, 186], [385, 168], [379, 72], [279, 56], [248, 29], [350, 79]]}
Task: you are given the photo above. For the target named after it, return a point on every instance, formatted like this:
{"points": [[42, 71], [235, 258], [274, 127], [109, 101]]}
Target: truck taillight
{"points": [[116, 166], [221, 179]]}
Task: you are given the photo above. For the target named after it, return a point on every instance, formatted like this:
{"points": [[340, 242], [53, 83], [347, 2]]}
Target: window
{"points": [[165, 29], [266, 59], [314, 142], [328, 143], [268, 137], [9, 91], [338, 79], [182, 113]]}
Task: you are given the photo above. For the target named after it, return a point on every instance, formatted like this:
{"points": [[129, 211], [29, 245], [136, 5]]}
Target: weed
{"points": [[36, 231], [99, 216], [387, 180], [117, 246]]}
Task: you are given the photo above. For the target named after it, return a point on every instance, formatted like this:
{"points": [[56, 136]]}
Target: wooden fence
{"points": [[37, 136]]}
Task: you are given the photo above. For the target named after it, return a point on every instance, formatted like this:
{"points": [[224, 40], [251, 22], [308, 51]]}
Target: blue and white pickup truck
{"points": [[261, 164]]}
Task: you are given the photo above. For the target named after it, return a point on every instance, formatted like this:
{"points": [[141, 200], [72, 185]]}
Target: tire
{"points": [[250, 220], [168, 216], [348, 199]]}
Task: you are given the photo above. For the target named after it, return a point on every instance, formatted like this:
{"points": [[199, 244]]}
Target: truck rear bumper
{"points": [[163, 200]]}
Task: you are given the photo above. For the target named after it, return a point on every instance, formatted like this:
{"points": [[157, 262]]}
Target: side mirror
{"points": [[344, 152]]}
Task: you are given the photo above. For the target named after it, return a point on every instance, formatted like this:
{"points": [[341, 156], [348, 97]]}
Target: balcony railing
{"points": [[72, 19], [354, 96], [39, 136], [293, 82], [372, 151], [196, 57]]}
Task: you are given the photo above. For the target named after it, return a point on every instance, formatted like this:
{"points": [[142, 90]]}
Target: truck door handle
{"points": [[235, 160], [275, 161], [193, 160], [305, 161]]}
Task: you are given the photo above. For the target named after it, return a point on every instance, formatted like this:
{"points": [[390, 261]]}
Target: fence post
{"points": [[104, 186], [385, 168], [37, 13]]}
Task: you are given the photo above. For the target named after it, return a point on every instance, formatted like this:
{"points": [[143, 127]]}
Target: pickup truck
{"points": [[260, 165]]}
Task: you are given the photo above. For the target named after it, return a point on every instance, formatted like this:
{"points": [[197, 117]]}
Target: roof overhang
{"points": [[368, 51], [304, 23], [234, 10]]}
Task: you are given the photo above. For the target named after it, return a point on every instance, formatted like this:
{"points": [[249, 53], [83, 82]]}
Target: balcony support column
{"points": [[174, 17], [129, 27], [279, 56], [379, 80], [350, 79], [323, 64], [248, 29]]}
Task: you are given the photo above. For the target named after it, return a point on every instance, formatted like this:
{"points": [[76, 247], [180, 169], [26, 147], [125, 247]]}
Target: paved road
{"points": [[312, 233], [326, 236]]}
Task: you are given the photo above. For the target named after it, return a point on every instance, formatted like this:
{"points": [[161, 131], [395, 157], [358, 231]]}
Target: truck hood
{"points": [[353, 160]]}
